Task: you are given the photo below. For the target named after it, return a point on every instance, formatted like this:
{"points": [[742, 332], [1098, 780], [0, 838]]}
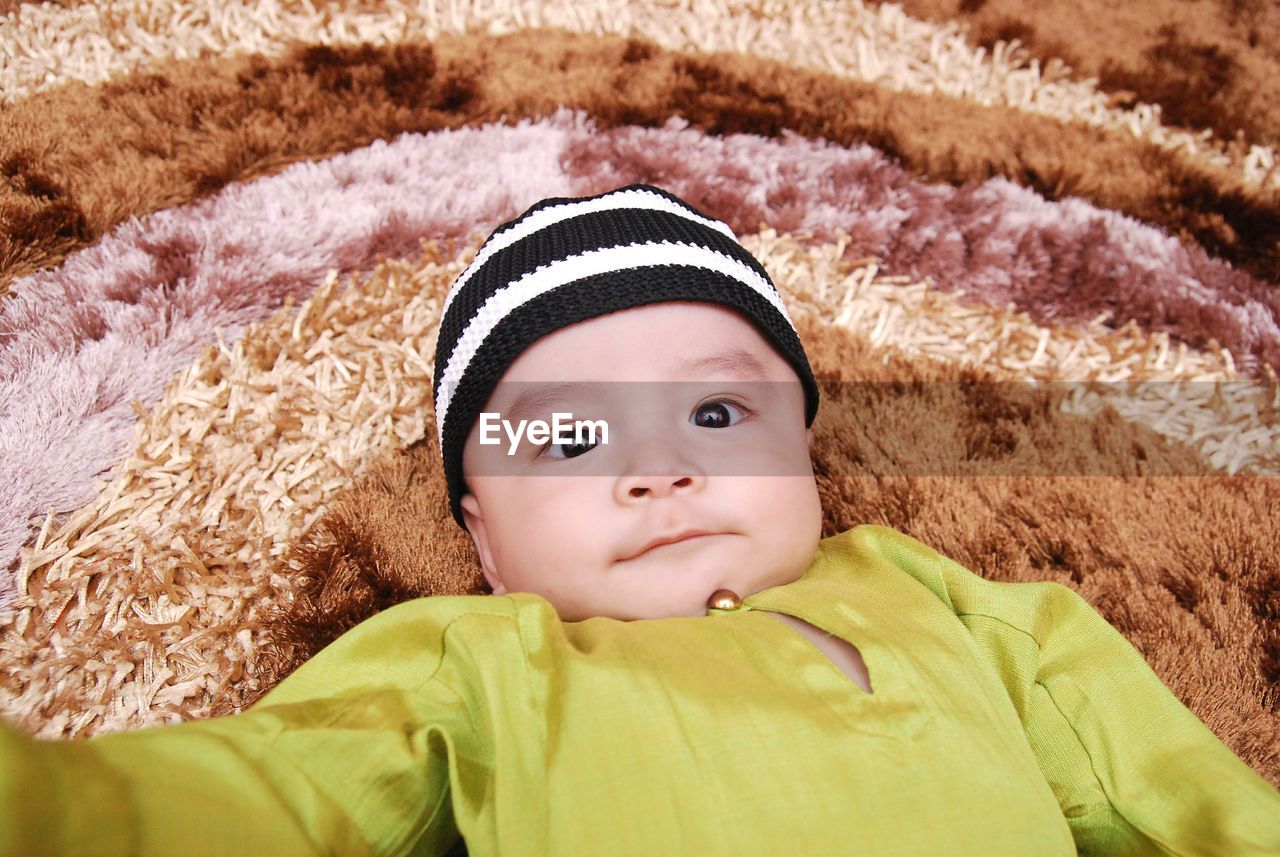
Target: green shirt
{"points": [[1005, 719]]}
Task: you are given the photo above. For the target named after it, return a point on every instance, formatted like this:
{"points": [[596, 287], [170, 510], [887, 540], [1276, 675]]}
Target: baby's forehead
{"points": [[665, 339]]}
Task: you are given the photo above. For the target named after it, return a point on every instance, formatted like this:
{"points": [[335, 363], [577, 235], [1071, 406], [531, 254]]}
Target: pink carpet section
{"points": [[1065, 261], [115, 321]]}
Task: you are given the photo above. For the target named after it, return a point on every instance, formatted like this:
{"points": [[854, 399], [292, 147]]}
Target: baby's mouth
{"points": [[680, 538]]}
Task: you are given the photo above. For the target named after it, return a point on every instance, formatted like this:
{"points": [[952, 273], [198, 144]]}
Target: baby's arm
{"points": [[350, 755], [1134, 770]]}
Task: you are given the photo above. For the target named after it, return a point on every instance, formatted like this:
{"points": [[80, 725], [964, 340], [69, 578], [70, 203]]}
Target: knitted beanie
{"points": [[567, 260]]}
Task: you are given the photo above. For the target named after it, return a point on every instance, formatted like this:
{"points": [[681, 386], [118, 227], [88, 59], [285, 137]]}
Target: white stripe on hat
{"points": [[553, 214], [572, 269]]}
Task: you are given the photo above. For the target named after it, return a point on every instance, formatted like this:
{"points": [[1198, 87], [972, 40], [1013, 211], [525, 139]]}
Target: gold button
{"points": [[724, 599]]}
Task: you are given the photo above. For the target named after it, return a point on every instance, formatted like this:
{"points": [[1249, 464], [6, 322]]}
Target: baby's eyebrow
{"points": [[536, 400], [734, 360]]}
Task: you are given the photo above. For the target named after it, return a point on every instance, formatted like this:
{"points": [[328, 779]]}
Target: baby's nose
{"points": [[658, 471], [640, 487]]}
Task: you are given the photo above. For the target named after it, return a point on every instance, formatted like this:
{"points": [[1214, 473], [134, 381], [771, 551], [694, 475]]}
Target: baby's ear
{"points": [[473, 517], [808, 435]]}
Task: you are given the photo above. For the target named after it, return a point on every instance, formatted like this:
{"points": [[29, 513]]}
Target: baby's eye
{"points": [[567, 450], [718, 413]]}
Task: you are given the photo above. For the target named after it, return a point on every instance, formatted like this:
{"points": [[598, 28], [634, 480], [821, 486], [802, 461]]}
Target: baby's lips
{"points": [[669, 539]]}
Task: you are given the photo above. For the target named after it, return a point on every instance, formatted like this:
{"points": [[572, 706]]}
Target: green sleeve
{"points": [[1134, 770], [352, 754]]}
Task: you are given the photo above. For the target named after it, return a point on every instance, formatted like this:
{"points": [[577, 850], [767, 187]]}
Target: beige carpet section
{"points": [[51, 44], [155, 602], [144, 607], [1194, 397]]}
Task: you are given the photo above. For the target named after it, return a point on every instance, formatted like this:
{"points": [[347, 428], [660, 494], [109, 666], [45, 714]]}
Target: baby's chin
{"points": [[675, 606], [669, 589]]}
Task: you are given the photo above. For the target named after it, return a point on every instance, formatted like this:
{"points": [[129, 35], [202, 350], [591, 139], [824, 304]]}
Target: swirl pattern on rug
{"points": [[1043, 308]]}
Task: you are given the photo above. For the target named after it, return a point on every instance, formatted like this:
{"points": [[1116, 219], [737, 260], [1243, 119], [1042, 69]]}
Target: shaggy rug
{"points": [[1033, 254]]}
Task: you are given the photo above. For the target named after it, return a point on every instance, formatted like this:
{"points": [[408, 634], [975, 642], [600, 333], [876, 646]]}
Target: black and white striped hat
{"points": [[568, 260]]}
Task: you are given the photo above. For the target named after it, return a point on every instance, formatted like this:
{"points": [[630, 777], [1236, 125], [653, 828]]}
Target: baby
{"points": [[673, 660], [707, 485]]}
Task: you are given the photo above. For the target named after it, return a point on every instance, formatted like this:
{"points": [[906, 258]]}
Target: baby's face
{"points": [[715, 448]]}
